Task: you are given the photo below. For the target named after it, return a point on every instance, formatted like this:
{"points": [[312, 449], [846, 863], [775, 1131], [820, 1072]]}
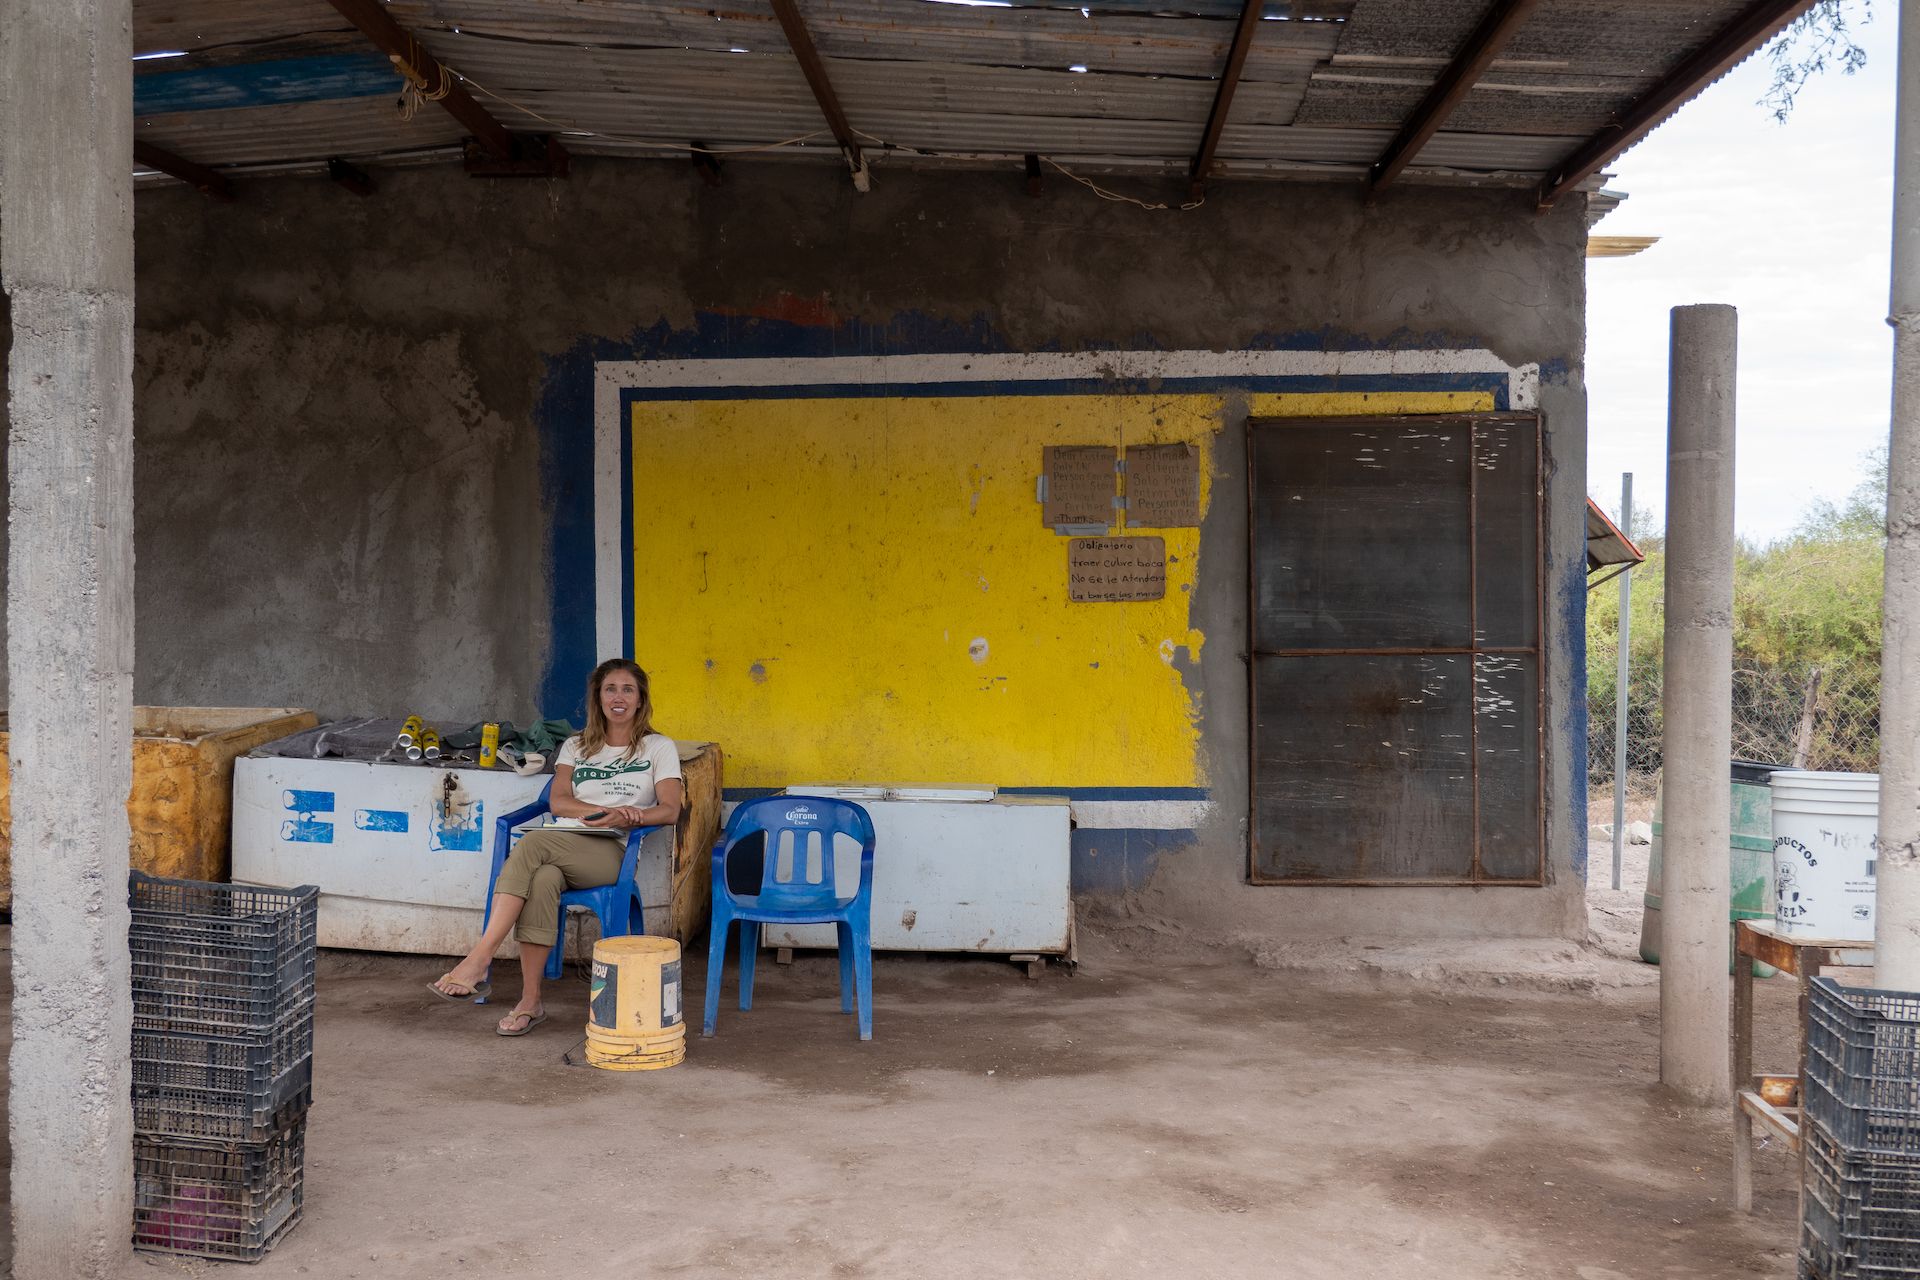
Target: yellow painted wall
{"points": [[862, 590]]}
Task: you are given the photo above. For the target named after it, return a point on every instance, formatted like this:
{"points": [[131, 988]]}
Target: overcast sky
{"points": [[1789, 223]]}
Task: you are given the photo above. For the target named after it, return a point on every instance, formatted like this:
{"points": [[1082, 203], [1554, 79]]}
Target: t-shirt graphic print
{"points": [[611, 778]]}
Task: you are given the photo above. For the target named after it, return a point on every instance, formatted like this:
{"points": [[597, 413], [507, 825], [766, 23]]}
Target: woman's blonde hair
{"points": [[594, 736]]}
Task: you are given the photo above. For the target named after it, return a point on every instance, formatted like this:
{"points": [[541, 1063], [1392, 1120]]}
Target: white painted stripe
{"points": [[1112, 815], [1141, 815], [611, 376], [609, 566]]}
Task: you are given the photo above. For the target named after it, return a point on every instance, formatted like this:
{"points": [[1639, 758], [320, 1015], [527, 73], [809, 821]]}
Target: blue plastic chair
{"points": [[795, 900], [617, 905]]}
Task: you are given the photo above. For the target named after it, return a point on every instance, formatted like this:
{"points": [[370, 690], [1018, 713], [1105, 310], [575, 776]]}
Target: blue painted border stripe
{"points": [[324, 78]]}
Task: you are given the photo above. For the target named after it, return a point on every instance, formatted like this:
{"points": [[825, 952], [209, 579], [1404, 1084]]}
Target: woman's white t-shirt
{"points": [[611, 778]]}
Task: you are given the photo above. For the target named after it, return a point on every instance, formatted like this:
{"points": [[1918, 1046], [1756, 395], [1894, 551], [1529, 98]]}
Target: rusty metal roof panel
{"points": [[887, 31], [228, 30], [1568, 70], [352, 128]]}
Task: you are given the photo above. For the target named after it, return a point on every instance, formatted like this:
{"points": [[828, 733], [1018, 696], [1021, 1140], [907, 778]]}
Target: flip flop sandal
{"points": [[533, 1020], [479, 991]]}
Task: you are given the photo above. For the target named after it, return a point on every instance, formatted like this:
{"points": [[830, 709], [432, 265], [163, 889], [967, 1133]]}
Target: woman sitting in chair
{"points": [[615, 775]]}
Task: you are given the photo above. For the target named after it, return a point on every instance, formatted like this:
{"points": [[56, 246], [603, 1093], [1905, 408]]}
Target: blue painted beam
{"points": [[324, 78]]}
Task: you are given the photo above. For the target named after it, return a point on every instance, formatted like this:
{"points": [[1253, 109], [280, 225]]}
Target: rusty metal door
{"points": [[1395, 675]]}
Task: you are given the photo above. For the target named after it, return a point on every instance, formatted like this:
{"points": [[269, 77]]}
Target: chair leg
{"points": [[844, 932], [716, 963], [749, 952], [557, 955], [863, 975]]}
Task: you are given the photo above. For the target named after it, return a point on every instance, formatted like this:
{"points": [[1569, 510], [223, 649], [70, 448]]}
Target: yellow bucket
{"points": [[635, 1020]]}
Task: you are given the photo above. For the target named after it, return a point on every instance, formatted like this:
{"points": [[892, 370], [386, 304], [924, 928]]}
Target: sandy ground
{"points": [[1153, 1113]]}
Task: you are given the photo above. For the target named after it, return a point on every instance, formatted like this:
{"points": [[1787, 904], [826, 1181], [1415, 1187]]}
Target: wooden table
{"points": [[1803, 957]]}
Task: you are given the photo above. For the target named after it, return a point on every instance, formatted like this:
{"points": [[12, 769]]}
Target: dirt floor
{"points": [[1153, 1113]]}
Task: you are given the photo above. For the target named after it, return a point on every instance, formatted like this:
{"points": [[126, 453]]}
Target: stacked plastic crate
{"points": [[1861, 1137], [222, 1063]]}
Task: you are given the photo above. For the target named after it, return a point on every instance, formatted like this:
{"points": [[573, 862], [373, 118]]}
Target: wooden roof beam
{"points": [[207, 181], [800, 40], [1757, 23], [1223, 97], [410, 57], [1502, 19]]}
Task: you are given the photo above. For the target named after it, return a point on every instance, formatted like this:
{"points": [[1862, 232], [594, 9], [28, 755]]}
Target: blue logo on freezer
{"points": [[393, 821], [304, 828], [457, 828]]}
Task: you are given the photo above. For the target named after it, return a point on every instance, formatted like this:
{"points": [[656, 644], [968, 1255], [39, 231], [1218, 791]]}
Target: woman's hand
{"points": [[632, 816], [608, 818]]}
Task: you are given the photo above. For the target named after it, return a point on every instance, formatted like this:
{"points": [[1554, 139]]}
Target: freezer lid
{"points": [[874, 791]]}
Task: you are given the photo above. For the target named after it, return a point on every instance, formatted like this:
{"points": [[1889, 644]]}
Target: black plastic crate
{"points": [[1861, 1214], [236, 1090], [1863, 1069], [214, 959], [233, 1200]]}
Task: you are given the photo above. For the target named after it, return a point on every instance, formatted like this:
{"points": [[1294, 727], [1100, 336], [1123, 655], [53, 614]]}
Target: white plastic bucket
{"points": [[1825, 845]]}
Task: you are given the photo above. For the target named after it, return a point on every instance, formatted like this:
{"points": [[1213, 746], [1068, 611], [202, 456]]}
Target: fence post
{"points": [[1809, 705], [1620, 689]]}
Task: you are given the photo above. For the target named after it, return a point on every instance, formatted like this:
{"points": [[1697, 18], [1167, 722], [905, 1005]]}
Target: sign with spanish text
{"points": [[1103, 569], [1163, 486], [1079, 486]]}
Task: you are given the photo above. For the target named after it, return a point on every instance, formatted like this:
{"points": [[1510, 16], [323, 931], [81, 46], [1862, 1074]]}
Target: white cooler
{"points": [[400, 852], [955, 869]]}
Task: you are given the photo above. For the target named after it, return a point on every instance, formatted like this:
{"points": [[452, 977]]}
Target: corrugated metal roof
{"points": [[1122, 83]]}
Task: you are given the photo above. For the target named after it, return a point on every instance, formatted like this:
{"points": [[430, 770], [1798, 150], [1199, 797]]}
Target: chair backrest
{"points": [[804, 877]]}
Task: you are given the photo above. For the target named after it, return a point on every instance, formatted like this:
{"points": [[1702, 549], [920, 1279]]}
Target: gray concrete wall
{"points": [[338, 473]]}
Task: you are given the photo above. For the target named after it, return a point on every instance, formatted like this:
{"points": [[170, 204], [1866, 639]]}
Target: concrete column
{"points": [[66, 262], [1897, 916], [1697, 707]]}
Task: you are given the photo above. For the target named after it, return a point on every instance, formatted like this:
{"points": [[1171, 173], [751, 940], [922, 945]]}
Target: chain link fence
{"points": [[1819, 718]]}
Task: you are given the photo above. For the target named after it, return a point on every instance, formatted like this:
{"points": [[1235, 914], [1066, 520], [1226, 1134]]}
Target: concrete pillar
{"points": [[1897, 915], [66, 262], [1697, 707]]}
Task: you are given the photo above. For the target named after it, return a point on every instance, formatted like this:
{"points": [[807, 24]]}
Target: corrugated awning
{"points": [[1351, 89], [1606, 545]]}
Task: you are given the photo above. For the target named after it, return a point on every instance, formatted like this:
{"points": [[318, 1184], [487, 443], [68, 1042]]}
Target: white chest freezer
{"points": [[400, 852], [956, 869]]}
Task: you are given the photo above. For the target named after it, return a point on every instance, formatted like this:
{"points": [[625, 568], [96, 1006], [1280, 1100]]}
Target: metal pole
{"points": [[1620, 684], [1696, 988], [1897, 918]]}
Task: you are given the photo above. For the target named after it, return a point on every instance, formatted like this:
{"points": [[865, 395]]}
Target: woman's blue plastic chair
{"points": [[617, 905], [795, 899]]}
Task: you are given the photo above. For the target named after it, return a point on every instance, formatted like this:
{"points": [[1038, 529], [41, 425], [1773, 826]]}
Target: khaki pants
{"points": [[545, 864]]}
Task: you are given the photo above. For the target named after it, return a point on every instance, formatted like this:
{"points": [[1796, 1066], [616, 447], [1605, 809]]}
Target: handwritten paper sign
{"points": [[1116, 569], [1163, 486], [1080, 484]]}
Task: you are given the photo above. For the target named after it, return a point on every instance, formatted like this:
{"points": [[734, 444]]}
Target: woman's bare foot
{"points": [[521, 1021], [459, 982]]}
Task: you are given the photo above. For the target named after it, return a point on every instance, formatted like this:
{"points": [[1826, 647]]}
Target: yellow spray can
{"points": [[409, 732], [430, 743], [489, 743]]}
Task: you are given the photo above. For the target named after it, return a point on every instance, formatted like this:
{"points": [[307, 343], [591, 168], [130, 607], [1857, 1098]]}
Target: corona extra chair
{"points": [[799, 833]]}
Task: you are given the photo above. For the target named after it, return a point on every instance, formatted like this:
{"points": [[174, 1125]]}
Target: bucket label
{"points": [[604, 996], [670, 994]]}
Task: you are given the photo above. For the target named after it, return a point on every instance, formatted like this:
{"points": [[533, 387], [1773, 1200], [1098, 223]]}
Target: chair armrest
{"points": [[503, 835], [630, 861]]}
